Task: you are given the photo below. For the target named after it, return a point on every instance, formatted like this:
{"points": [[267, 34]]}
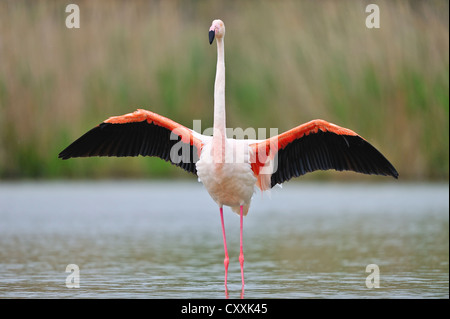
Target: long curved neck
{"points": [[219, 133]]}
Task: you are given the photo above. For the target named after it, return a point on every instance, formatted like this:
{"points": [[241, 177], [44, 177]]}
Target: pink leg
{"points": [[226, 261], [241, 254]]}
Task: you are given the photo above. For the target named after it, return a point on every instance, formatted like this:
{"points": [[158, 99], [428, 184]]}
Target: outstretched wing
{"points": [[318, 145], [139, 133]]}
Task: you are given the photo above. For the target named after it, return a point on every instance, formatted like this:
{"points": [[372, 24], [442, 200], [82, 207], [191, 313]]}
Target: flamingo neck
{"points": [[219, 133]]}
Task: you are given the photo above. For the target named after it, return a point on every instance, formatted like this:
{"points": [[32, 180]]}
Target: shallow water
{"points": [[163, 240]]}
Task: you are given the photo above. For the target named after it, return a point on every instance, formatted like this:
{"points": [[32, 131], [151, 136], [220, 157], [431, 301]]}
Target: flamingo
{"points": [[316, 145]]}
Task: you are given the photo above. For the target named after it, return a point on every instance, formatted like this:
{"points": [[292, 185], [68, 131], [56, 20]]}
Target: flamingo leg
{"points": [[226, 261], [241, 253]]}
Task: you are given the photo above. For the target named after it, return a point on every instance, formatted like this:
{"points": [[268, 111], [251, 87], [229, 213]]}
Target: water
{"points": [[163, 240]]}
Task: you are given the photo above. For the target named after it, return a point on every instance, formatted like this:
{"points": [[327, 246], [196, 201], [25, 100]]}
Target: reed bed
{"points": [[287, 62]]}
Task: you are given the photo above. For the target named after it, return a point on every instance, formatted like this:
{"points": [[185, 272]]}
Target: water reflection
{"points": [[227, 294], [133, 240]]}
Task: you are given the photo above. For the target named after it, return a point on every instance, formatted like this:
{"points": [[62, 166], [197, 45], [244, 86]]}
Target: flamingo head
{"points": [[217, 30]]}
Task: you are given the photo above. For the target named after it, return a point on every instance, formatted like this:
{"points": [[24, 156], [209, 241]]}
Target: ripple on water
{"points": [[317, 247]]}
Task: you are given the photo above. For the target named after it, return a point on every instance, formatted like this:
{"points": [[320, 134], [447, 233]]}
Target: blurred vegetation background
{"points": [[287, 62]]}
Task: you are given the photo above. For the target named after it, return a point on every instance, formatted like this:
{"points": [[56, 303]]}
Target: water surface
{"points": [[163, 240]]}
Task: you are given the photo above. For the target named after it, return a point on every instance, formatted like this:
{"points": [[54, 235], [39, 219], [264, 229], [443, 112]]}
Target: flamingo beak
{"points": [[212, 33]]}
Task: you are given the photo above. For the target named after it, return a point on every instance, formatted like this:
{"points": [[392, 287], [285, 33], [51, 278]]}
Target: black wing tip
{"points": [[64, 155], [128, 140], [391, 173], [326, 150], [394, 174]]}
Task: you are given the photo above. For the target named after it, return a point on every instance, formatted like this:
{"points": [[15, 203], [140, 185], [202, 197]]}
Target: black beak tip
{"points": [[212, 33]]}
